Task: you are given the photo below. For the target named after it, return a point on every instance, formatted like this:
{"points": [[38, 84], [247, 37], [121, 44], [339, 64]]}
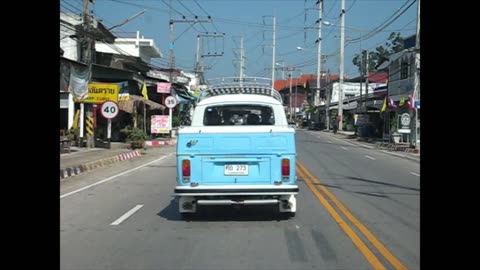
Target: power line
{"points": [[385, 24], [353, 3], [228, 21], [186, 7], [69, 9], [173, 8], [206, 14], [330, 10], [71, 6]]}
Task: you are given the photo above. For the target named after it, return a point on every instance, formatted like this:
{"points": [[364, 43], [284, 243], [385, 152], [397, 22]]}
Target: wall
{"points": [[397, 85], [119, 47], [352, 89]]}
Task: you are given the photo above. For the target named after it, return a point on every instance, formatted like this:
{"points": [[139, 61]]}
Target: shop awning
{"points": [[128, 105]]}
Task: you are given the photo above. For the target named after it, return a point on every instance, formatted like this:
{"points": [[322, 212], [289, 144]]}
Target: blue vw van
{"points": [[239, 150]]}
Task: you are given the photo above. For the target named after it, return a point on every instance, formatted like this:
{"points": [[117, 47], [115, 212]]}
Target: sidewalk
{"points": [[81, 160], [350, 137]]}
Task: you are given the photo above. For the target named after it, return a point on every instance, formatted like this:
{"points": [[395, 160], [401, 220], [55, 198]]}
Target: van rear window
{"points": [[233, 115]]}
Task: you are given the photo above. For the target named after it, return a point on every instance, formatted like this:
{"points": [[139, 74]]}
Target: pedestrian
{"points": [[335, 124]]}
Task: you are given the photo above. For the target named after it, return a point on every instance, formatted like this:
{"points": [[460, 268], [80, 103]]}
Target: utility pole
{"points": [[197, 56], [172, 45], [241, 60], [296, 94], [199, 67], [327, 101], [319, 52], [366, 75], [361, 78], [273, 53], [416, 91], [87, 58], [342, 45], [290, 96], [172, 36]]}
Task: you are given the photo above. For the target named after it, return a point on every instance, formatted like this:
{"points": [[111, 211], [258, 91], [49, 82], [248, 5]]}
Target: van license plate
{"points": [[236, 169]]}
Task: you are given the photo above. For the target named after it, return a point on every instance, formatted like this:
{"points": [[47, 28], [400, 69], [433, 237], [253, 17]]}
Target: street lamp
{"points": [[324, 56]]}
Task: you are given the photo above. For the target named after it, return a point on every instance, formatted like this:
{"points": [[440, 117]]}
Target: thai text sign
{"points": [[160, 124], [101, 92], [163, 87]]}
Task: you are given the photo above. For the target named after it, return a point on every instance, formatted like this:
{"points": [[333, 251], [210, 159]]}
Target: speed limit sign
{"points": [[170, 102], [109, 110]]}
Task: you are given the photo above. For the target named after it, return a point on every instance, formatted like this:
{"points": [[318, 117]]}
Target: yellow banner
{"points": [[101, 92]]}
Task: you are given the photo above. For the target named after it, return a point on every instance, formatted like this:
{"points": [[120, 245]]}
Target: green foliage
{"points": [[392, 45], [393, 124], [176, 121], [134, 134]]}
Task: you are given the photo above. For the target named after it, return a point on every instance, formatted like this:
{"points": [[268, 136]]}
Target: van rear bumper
{"points": [[245, 190]]}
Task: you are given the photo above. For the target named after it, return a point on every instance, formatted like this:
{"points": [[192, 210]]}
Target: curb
{"points": [[402, 156], [158, 143], [417, 159], [90, 166]]}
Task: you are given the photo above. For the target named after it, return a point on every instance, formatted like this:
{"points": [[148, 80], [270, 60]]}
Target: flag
{"points": [[144, 91], [411, 102], [391, 103], [402, 102], [384, 106]]}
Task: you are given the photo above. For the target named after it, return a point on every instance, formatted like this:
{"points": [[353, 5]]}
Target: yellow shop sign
{"points": [[100, 92]]}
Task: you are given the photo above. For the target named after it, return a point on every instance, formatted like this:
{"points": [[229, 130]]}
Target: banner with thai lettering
{"points": [[163, 87], [159, 124], [101, 92]]}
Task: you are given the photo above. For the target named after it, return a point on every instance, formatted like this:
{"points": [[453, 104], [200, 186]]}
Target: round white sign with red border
{"points": [[170, 102], [109, 109]]}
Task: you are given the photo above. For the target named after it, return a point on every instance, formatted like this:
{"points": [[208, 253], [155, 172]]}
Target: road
{"points": [[357, 209]]}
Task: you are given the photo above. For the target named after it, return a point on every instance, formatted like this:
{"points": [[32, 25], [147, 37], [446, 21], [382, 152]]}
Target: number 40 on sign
{"points": [[109, 110]]}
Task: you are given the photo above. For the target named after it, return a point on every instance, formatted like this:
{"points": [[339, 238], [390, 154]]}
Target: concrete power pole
{"points": [[197, 57], [361, 78], [342, 45], [273, 53], [171, 44], [241, 60], [319, 52], [199, 66], [87, 58], [416, 91], [290, 96], [172, 37], [366, 76], [327, 101]]}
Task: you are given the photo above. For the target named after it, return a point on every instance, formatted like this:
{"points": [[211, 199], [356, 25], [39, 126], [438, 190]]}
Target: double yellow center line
{"points": [[307, 176]]}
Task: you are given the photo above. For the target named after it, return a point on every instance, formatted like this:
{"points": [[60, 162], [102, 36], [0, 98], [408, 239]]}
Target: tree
{"points": [[392, 45]]}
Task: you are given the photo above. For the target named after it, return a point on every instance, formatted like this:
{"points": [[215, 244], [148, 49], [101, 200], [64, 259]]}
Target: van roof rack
{"points": [[235, 85]]}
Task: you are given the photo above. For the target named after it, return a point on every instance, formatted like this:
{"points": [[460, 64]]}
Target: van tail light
{"points": [[186, 168], [285, 168]]}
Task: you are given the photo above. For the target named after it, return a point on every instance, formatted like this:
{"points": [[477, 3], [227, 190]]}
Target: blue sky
{"points": [[253, 20]]}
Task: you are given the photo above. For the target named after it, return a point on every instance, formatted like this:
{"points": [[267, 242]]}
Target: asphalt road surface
{"points": [[357, 209]]}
